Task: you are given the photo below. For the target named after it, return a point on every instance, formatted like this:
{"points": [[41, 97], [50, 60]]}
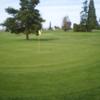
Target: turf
{"points": [[55, 66]]}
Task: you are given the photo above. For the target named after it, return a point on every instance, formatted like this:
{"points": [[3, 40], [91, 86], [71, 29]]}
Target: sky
{"points": [[52, 10]]}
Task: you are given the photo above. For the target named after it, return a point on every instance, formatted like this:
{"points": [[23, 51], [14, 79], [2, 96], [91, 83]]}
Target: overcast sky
{"points": [[52, 10]]}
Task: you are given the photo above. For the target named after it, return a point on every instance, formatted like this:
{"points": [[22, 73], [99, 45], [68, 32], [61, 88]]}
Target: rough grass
{"points": [[56, 66]]}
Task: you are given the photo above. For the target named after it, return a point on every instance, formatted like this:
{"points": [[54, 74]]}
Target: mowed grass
{"points": [[55, 66]]}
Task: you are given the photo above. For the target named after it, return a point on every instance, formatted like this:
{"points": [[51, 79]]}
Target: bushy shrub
{"points": [[79, 28]]}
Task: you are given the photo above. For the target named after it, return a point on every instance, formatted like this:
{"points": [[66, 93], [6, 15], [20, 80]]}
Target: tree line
{"points": [[88, 18], [28, 20], [66, 24]]}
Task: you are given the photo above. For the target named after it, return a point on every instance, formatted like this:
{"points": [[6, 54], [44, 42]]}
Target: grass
{"points": [[57, 66]]}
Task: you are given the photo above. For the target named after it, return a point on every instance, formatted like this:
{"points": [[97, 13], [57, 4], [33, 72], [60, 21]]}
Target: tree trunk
{"points": [[27, 36]]}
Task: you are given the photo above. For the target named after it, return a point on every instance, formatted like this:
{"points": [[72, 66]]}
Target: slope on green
{"points": [[55, 66]]}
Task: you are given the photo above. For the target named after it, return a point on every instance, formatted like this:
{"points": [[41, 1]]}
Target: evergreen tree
{"points": [[91, 20], [25, 20], [50, 26], [84, 13]]}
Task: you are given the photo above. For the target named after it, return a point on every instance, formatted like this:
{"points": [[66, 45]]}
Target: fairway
{"points": [[55, 66]]}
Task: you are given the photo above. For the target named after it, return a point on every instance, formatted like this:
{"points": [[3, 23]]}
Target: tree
{"points": [[84, 15], [82, 27], [88, 17], [99, 22], [91, 20], [25, 20], [66, 24], [50, 27]]}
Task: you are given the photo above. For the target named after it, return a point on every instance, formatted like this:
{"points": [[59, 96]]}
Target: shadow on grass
{"points": [[44, 39], [38, 39]]}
